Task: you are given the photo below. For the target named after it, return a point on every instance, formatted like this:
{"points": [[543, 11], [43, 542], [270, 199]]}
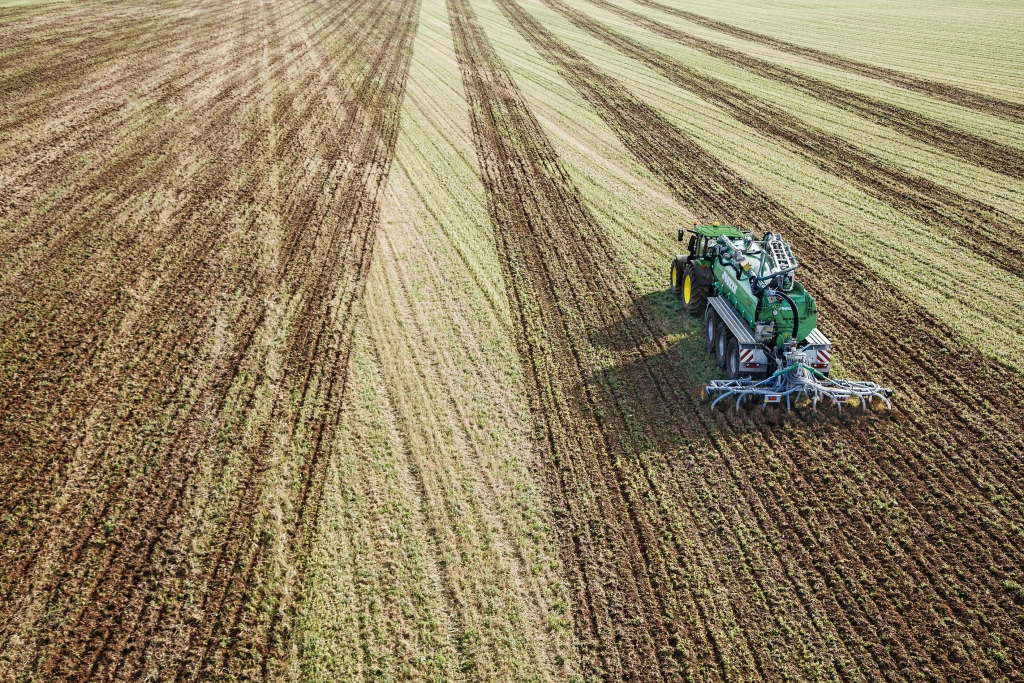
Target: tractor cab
{"points": [[703, 238], [691, 274]]}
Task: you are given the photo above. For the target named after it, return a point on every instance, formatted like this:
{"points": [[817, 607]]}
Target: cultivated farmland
{"points": [[335, 341]]}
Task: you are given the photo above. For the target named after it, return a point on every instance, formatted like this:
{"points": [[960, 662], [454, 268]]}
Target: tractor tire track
{"points": [[957, 142], [707, 186], [381, 97], [163, 363], [218, 119], [53, 351], [559, 281], [372, 127], [86, 41], [1011, 111], [44, 342], [961, 218], [82, 650]]}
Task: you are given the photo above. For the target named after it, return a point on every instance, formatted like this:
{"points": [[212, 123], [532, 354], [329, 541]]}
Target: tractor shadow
{"points": [[659, 364], [659, 331]]}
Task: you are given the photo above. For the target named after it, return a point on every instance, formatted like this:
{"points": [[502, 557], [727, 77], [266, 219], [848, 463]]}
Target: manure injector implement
{"points": [[760, 323]]}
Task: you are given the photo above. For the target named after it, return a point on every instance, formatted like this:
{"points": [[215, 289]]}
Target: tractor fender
{"points": [[680, 263], [702, 276]]}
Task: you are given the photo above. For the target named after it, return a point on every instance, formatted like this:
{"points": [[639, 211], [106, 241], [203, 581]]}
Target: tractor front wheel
{"points": [[695, 297]]}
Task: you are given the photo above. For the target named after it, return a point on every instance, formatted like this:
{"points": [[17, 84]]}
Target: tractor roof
{"points": [[716, 230]]}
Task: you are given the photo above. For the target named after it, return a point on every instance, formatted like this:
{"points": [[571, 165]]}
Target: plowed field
{"points": [[335, 341]]}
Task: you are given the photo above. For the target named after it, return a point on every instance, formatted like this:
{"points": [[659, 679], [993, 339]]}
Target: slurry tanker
{"points": [[759, 322]]}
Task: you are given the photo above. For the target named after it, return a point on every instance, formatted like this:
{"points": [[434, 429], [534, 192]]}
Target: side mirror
{"points": [[679, 235]]}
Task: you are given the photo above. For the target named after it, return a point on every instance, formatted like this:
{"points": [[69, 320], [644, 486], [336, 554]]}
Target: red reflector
{"points": [[840, 399], [819, 366], [772, 398], [753, 365]]}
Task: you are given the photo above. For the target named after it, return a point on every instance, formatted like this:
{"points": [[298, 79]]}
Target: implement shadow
{"points": [[657, 364]]}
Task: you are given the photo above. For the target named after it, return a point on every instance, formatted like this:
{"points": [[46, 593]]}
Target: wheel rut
{"points": [[114, 589], [562, 284]]}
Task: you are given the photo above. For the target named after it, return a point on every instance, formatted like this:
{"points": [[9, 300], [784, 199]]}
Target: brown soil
{"points": [[180, 300], [963, 219], [1011, 111], [550, 245], [743, 540]]}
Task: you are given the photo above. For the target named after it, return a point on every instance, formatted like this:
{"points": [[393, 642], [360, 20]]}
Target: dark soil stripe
{"points": [[378, 39], [123, 605], [562, 282], [1011, 111]]}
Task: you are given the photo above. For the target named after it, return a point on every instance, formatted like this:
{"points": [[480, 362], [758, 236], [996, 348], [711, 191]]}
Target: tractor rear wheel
{"points": [[695, 297], [732, 359], [710, 325], [722, 338], [676, 278]]}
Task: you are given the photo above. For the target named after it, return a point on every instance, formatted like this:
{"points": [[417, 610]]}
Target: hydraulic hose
{"points": [[792, 306]]}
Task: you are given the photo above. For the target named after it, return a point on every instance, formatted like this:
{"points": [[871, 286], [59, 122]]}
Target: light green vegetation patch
{"points": [[974, 44], [375, 607], [919, 158], [27, 3], [460, 429]]}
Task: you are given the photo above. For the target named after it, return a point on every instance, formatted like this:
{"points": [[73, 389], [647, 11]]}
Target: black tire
{"points": [[675, 278], [694, 296], [722, 338], [710, 325], [732, 359]]}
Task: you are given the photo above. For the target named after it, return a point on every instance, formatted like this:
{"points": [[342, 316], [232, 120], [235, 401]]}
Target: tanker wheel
{"points": [[710, 325], [695, 297], [675, 279], [732, 359], [722, 338]]}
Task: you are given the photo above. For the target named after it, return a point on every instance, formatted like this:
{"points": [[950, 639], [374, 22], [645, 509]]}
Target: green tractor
{"points": [[759, 322]]}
